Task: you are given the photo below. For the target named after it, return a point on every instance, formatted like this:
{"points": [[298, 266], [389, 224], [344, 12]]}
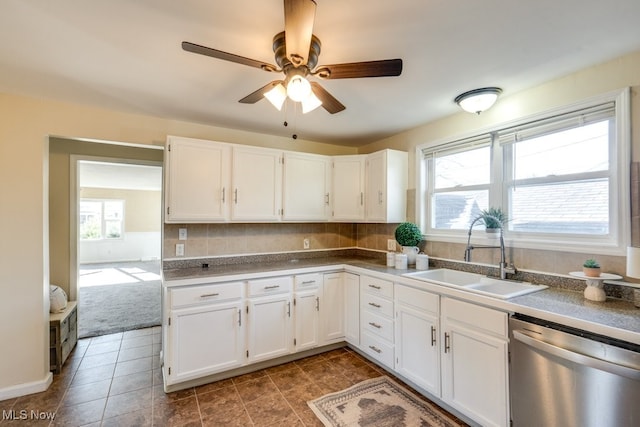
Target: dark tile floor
{"points": [[115, 380]]}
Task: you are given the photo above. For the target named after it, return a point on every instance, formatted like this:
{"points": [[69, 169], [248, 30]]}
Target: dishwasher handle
{"points": [[579, 358]]}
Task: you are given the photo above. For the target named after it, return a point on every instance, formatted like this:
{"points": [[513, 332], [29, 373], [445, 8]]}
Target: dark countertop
{"points": [[615, 318]]}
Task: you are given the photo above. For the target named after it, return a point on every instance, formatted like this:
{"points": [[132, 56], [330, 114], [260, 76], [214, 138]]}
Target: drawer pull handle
{"points": [[433, 336], [376, 349], [447, 344], [308, 282], [373, 304], [375, 325], [209, 295], [271, 287], [375, 287]]}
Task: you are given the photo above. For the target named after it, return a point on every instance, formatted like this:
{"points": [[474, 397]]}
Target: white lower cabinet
{"points": [[455, 350], [417, 341], [376, 319], [306, 302], [200, 319], [351, 308], [475, 361], [270, 321], [331, 313]]}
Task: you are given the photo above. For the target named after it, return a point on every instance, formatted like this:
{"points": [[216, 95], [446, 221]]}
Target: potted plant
{"points": [[493, 219], [408, 235], [591, 268]]}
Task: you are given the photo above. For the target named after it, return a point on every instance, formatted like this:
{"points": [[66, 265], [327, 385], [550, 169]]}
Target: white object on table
{"points": [[391, 259], [402, 261], [595, 289]]}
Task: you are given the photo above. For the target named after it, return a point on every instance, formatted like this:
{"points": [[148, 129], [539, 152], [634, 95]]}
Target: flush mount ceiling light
{"points": [[478, 100]]}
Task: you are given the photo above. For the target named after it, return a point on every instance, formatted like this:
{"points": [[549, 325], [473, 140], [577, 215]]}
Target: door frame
{"points": [[74, 209]]}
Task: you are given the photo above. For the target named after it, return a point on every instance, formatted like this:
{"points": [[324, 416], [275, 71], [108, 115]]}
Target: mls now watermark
{"points": [[24, 414]]}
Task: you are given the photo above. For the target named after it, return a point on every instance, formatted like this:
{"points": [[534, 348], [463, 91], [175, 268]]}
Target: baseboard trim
{"points": [[26, 388]]}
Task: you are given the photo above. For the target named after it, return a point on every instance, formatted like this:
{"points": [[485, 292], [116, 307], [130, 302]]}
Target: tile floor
{"points": [[115, 380]]}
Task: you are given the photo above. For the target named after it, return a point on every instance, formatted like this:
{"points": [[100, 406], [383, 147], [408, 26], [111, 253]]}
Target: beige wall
{"points": [[25, 127], [143, 209]]}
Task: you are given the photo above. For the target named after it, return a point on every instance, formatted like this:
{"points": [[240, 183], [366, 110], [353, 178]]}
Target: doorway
{"points": [[118, 205]]}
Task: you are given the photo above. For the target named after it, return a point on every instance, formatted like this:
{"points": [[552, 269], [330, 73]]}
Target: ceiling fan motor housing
{"points": [[280, 51]]}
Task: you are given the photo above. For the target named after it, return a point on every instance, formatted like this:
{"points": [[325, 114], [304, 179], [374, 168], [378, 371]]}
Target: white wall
{"points": [[134, 246]]}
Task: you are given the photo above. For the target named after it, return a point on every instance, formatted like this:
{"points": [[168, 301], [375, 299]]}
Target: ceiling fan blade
{"points": [[214, 53], [329, 103], [352, 70], [256, 96], [298, 28]]}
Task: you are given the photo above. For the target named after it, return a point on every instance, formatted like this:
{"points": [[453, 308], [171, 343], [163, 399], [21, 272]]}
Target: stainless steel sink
{"points": [[477, 283]]}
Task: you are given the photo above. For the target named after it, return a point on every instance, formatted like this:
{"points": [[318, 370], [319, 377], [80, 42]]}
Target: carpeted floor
{"points": [[118, 297]]}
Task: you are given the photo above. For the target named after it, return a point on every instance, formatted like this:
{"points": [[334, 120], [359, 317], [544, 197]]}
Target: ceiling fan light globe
{"points": [[277, 96], [298, 88], [310, 103]]}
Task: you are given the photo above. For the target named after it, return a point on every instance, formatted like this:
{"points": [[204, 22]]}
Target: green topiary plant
{"points": [[493, 218], [408, 234]]}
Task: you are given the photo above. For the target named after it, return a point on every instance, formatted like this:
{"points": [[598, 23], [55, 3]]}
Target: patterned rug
{"points": [[379, 402]]}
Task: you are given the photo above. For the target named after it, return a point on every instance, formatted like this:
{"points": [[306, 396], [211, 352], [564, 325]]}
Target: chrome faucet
{"points": [[504, 267]]}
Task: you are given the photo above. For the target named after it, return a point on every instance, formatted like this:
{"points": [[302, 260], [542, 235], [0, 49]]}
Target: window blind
{"points": [[458, 146], [557, 123]]}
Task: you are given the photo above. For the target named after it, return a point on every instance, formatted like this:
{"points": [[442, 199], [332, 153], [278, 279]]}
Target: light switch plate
{"points": [[305, 244], [179, 249], [391, 245]]}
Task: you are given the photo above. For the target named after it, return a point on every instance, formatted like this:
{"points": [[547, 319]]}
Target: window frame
{"points": [[619, 190], [103, 220]]}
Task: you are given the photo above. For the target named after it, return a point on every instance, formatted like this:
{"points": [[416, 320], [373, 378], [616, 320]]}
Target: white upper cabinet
{"points": [[306, 187], [207, 181], [257, 184], [348, 177], [386, 186], [197, 180]]}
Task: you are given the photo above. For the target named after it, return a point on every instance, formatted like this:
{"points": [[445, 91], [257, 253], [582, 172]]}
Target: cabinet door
{"points": [[270, 327], [306, 186], [417, 349], [197, 180], [332, 308], [204, 340], [474, 366], [352, 308], [376, 196], [348, 175], [306, 319], [257, 184]]}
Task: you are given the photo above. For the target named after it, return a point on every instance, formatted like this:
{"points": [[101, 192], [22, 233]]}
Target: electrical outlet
{"points": [[305, 243], [179, 249], [182, 234], [391, 245]]}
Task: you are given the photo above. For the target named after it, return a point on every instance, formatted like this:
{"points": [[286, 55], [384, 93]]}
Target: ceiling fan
{"points": [[296, 53]]}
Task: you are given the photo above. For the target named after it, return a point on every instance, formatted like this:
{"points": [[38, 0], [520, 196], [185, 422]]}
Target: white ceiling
{"points": [[126, 55], [122, 176]]}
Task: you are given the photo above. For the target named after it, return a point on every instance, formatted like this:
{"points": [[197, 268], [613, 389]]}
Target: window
{"points": [[101, 219], [560, 178]]}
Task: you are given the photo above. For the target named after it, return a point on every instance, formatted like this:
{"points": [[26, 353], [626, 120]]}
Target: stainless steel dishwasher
{"points": [[561, 376]]}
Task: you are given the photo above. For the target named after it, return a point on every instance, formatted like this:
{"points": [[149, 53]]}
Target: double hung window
{"points": [[101, 219]]}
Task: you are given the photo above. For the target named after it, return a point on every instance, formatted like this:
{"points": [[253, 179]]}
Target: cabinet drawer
{"points": [[203, 294], [378, 348], [475, 317], [378, 325], [275, 285], [421, 300], [376, 304], [376, 286], [305, 281]]}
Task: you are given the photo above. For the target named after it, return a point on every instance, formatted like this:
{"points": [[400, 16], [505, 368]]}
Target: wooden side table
{"points": [[63, 335]]}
